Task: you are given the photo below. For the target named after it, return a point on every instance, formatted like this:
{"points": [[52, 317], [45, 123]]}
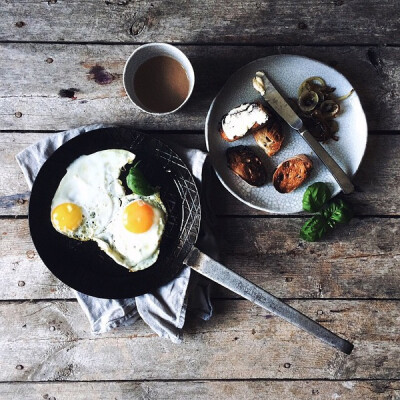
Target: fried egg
{"points": [[90, 204], [88, 194], [133, 237]]}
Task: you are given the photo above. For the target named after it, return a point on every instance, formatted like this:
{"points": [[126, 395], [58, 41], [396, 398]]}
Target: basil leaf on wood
{"points": [[314, 228], [338, 212]]}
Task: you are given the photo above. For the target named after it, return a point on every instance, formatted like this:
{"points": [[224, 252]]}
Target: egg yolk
{"points": [[66, 217], [138, 217]]}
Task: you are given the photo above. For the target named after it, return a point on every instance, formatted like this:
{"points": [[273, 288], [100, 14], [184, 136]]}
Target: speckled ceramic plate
{"points": [[287, 72]]}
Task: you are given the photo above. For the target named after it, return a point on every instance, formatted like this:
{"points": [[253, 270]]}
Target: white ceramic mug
{"points": [[143, 54]]}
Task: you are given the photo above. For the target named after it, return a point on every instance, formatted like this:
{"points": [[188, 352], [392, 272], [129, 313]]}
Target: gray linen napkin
{"points": [[164, 309]]}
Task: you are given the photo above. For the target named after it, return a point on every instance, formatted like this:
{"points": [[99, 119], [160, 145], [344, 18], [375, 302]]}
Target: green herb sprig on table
{"points": [[335, 212]]}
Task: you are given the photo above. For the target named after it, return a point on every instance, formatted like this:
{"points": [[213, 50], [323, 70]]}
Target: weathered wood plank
{"points": [[36, 104], [357, 260], [51, 341], [360, 260], [249, 390], [284, 21], [376, 180]]}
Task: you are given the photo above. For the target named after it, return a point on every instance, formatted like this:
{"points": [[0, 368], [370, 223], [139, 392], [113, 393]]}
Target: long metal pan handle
{"points": [[341, 178], [225, 277]]}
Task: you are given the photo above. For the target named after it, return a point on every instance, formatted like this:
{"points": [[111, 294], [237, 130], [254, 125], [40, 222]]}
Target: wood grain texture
{"points": [[360, 260], [241, 21], [97, 95], [249, 390], [376, 181], [52, 341], [61, 64]]}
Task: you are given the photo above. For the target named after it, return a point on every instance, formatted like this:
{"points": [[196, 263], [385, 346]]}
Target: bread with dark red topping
{"points": [[291, 173], [247, 165]]}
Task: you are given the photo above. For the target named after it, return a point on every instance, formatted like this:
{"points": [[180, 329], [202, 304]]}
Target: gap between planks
{"points": [[217, 299], [204, 380], [204, 44]]}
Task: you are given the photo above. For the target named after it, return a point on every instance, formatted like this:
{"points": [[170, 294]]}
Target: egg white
{"points": [[135, 251]]}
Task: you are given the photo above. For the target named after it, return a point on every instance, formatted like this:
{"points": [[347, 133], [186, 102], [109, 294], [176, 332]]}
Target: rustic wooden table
{"points": [[61, 65]]}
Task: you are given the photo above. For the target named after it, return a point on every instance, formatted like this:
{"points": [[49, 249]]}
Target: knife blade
{"points": [[264, 86]]}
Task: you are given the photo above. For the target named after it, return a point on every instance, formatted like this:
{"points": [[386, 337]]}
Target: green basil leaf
{"points": [[338, 212], [315, 196], [138, 183], [314, 228]]}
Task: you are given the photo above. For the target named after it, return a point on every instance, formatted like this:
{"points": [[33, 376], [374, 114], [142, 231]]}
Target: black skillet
{"points": [[82, 266]]}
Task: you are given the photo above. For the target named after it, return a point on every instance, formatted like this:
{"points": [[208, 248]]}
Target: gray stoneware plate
{"points": [[286, 72]]}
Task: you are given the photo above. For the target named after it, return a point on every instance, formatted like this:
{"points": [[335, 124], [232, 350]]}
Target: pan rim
{"points": [[189, 223]]}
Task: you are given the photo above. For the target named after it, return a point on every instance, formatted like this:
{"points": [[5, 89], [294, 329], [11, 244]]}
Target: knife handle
{"points": [[215, 271], [341, 178]]}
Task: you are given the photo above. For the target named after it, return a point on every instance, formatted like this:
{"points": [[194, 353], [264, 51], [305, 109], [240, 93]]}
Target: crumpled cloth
{"points": [[164, 309]]}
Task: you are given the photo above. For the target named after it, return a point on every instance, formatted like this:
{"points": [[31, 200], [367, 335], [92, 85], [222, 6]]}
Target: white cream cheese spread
{"points": [[241, 119]]}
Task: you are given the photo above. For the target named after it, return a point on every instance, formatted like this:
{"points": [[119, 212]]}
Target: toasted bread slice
{"points": [[246, 164], [290, 174], [270, 137], [242, 120]]}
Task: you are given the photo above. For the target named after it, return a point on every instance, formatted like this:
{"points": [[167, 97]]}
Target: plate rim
{"points": [[231, 77]]}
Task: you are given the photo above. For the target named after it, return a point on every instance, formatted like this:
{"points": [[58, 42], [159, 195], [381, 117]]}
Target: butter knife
{"points": [[264, 86]]}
